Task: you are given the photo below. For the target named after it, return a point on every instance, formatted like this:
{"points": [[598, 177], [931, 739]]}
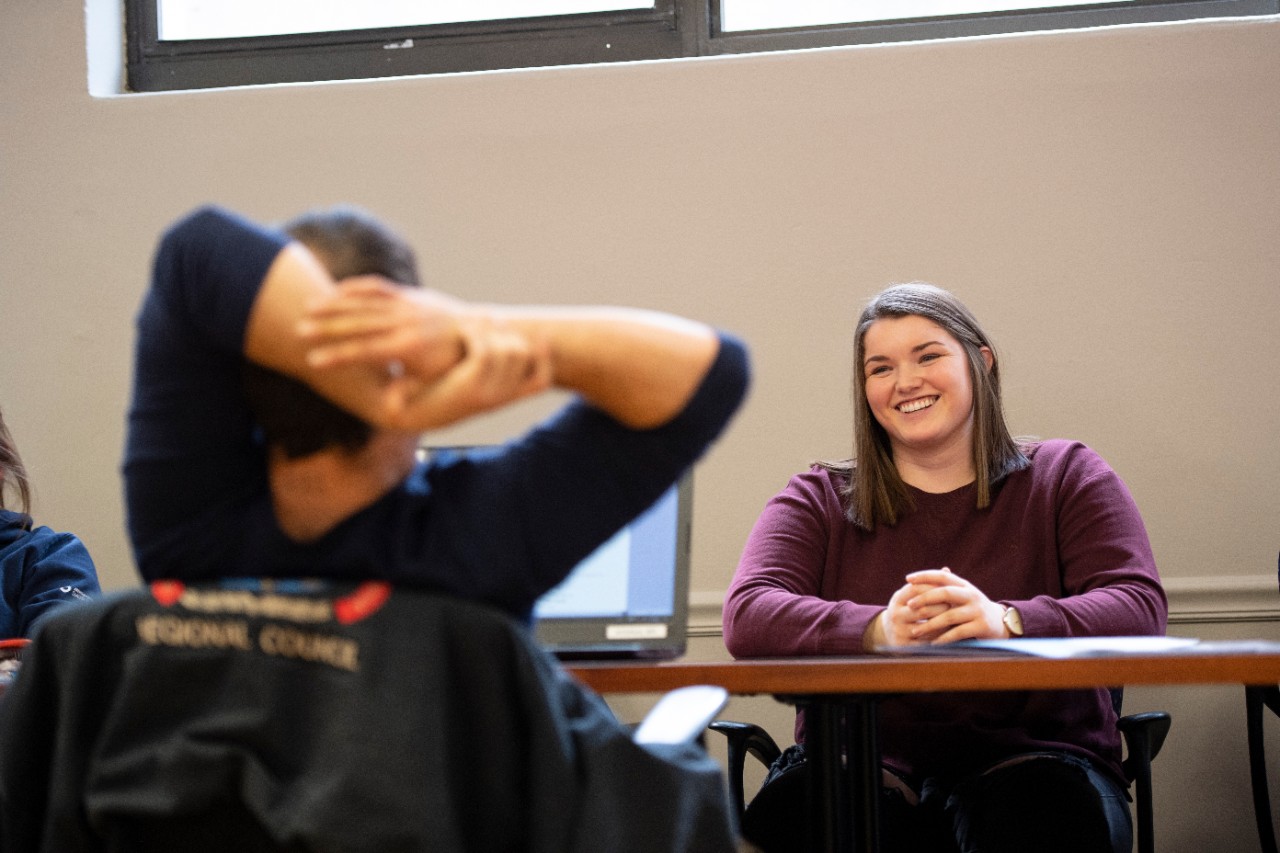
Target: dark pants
{"points": [[1047, 802]]}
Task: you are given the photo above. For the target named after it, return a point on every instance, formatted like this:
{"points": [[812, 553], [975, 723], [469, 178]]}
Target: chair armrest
{"points": [[744, 738], [1144, 734]]}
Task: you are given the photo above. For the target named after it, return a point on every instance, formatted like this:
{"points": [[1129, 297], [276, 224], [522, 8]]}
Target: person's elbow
{"points": [[739, 638]]}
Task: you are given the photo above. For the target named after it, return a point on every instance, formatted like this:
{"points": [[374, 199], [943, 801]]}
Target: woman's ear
{"points": [[988, 356]]}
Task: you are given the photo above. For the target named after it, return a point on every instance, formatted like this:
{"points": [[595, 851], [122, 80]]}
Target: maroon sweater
{"points": [[1062, 541]]}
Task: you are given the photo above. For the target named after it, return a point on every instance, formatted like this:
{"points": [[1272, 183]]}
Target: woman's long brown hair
{"points": [[13, 474], [877, 494]]}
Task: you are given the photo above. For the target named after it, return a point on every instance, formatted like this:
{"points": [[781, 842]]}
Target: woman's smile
{"points": [[916, 405]]}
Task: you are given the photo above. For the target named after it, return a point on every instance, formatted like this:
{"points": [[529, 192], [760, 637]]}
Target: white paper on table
{"points": [[1054, 647]]}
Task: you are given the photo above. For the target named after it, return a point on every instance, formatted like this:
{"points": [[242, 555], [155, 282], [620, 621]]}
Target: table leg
{"points": [[830, 829], [865, 775], [843, 750]]}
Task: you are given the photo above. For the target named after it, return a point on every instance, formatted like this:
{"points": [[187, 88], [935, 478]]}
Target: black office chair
{"points": [[337, 718], [1256, 699], [1144, 735]]}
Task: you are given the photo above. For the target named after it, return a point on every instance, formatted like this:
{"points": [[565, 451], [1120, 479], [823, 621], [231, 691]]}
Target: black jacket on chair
{"points": [[335, 718]]}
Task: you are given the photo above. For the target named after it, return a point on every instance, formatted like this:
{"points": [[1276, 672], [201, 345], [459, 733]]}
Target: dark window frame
{"points": [[673, 29], [154, 65]]}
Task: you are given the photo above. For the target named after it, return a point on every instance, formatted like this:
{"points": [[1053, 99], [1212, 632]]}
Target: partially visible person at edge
{"points": [[283, 379], [945, 528], [39, 568]]}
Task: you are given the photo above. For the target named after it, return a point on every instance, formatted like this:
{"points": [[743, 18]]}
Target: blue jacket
{"points": [[39, 569]]}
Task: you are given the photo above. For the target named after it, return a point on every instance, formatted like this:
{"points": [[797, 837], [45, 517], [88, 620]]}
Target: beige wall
{"points": [[1105, 200]]}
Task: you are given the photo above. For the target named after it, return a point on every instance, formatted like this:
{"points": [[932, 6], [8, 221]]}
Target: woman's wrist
{"points": [[874, 636]]}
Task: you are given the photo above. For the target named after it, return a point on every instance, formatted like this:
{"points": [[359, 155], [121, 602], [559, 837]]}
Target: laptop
{"points": [[630, 597]]}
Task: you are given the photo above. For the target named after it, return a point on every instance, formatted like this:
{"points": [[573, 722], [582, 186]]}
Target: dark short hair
{"points": [[877, 494], [13, 474], [348, 241]]}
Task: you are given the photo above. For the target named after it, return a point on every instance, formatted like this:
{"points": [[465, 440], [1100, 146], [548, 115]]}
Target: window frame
{"points": [[673, 29], [980, 24], [153, 65]]}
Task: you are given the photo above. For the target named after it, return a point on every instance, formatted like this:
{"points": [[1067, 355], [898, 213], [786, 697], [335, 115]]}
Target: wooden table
{"points": [[840, 698]]}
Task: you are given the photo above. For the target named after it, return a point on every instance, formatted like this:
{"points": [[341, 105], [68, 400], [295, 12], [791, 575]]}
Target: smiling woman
{"points": [[917, 385], [915, 333], [945, 528]]}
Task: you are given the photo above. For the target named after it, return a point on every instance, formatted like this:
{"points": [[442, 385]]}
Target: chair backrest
{"points": [[348, 718]]}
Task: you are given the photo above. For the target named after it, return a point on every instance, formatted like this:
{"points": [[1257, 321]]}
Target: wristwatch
{"points": [[1012, 620]]}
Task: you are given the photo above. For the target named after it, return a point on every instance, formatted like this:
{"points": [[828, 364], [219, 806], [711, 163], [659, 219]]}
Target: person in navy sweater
{"points": [[221, 480]]}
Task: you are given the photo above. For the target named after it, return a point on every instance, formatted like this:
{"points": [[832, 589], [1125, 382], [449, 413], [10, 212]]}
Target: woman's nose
{"points": [[908, 377]]}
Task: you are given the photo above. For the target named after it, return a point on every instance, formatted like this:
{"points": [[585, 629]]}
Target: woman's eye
{"points": [[930, 356], [878, 371]]}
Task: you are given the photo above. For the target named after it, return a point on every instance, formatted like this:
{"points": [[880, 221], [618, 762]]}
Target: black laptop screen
{"points": [[633, 574], [630, 596]]}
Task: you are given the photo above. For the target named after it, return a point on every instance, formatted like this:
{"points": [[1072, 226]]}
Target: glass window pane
{"points": [[739, 15], [182, 20]]}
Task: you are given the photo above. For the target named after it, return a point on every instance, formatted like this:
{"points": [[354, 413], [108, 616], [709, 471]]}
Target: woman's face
{"points": [[916, 377]]}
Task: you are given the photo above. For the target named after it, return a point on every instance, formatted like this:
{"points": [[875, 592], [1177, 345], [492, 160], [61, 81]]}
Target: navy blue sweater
{"points": [[503, 526]]}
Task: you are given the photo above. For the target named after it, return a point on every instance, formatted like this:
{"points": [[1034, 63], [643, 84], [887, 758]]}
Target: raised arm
{"points": [[462, 364], [639, 367]]}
